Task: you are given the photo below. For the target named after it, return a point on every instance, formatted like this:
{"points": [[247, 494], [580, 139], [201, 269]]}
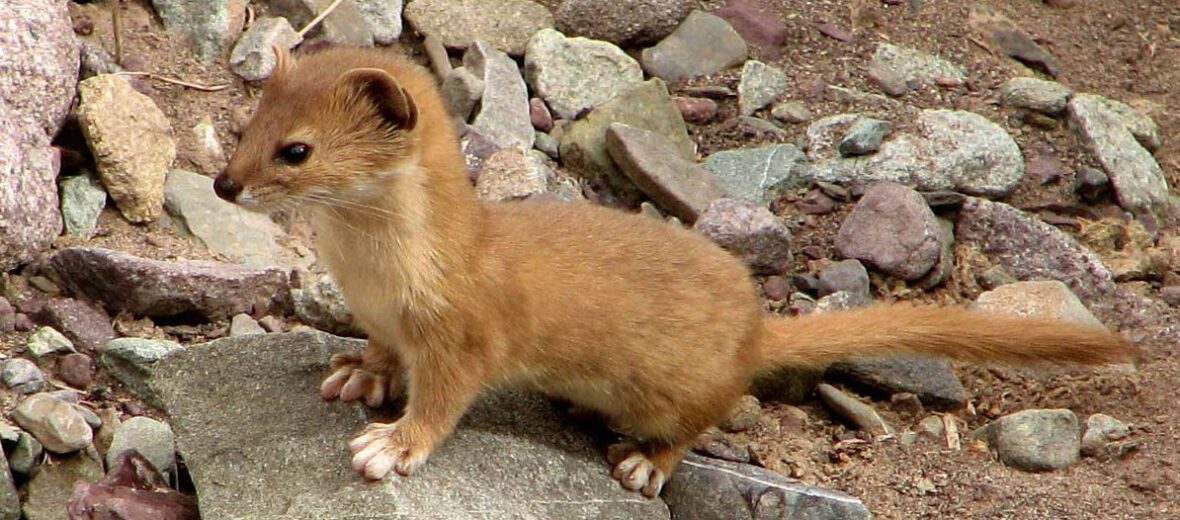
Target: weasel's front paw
{"points": [[351, 380], [381, 447], [634, 470]]}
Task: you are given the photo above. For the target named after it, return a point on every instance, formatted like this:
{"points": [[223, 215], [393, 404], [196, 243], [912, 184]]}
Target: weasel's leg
{"points": [[645, 468], [440, 389], [374, 374]]}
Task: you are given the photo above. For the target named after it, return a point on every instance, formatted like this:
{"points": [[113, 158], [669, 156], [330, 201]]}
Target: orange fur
{"points": [[650, 324]]}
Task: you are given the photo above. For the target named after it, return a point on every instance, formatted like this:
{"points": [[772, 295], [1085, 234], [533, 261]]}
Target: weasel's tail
{"points": [[818, 339]]}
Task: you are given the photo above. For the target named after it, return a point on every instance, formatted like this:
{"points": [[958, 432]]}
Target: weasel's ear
{"points": [[283, 61], [385, 93]]}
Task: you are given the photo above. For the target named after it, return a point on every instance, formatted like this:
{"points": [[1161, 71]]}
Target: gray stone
{"points": [[26, 454], [708, 489], [892, 229], [860, 415], [55, 423], [504, 111], [252, 57], [1040, 298], [39, 59], [628, 23], [82, 201], [512, 174], [846, 275], [760, 174], [1035, 440], [1092, 184], [243, 325], [506, 25], [28, 173], [319, 302], [151, 438], [1047, 97], [122, 282], [702, 44], [132, 361], [743, 416], [749, 232], [547, 144], [345, 25], [46, 341], [132, 143], [759, 86], [791, 112], [864, 137], [219, 428], [9, 499], [384, 18], [916, 66], [211, 25], [1139, 183], [933, 380], [1018, 45], [22, 376], [647, 106], [1101, 430], [92, 419], [574, 75], [462, 91], [1031, 249], [51, 487], [246, 237], [657, 166]]}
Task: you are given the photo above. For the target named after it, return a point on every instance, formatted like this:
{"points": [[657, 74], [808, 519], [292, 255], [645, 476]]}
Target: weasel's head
{"points": [[328, 131]]}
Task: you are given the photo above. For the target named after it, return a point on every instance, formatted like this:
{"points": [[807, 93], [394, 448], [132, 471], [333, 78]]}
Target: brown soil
{"points": [[1125, 49]]}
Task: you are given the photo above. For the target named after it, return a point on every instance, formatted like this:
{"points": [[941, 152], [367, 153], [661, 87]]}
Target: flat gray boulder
{"points": [[262, 445]]}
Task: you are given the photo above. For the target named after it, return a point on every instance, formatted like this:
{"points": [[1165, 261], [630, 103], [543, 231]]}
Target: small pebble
{"points": [[77, 370], [744, 415], [698, 111], [776, 288], [1101, 430], [46, 341], [22, 376], [272, 324], [791, 112], [539, 114]]}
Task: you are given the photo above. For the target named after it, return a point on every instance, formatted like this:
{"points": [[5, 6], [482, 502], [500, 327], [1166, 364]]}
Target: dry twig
{"points": [[319, 18], [176, 81]]}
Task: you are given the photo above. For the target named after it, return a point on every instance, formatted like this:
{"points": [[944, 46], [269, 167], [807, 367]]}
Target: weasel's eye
{"points": [[294, 153]]}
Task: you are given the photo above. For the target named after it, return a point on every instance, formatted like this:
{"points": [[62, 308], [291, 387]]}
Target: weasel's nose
{"points": [[226, 188]]}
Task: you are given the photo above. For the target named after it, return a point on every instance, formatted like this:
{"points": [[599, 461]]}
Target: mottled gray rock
{"points": [[132, 142], [28, 169], [760, 174], [253, 58], [1035, 440], [462, 91], [1048, 97], [864, 137], [750, 232], [211, 25], [846, 275], [892, 229], [122, 282], [702, 44], [506, 25], [1018, 45], [1101, 430], [759, 86], [512, 174], [132, 361], [319, 302], [791, 112], [49, 488], [82, 201], [1040, 298], [860, 415], [504, 111], [27, 453], [55, 423], [658, 167], [574, 75], [933, 380], [628, 23], [151, 438], [384, 18], [707, 489], [246, 237], [1106, 131], [46, 341], [345, 25], [647, 106], [39, 57], [22, 376], [1031, 249], [219, 427], [917, 66], [243, 325], [9, 499]]}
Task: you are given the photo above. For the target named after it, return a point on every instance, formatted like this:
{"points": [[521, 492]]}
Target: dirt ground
{"points": [[1128, 50]]}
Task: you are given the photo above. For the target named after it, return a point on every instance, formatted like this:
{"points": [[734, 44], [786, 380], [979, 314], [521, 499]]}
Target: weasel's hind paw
{"points": [[634, 471], [350, 381], [382, 447]]}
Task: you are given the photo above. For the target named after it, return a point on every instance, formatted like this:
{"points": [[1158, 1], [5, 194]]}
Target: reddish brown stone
{"points": [[758, 25]]}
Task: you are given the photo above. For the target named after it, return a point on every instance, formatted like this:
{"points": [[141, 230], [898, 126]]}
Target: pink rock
{"points": [[133, 490], [698, 111], [757, 24], [539, 113]]}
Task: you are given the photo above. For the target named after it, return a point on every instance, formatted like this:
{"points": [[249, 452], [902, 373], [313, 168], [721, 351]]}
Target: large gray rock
{"points": [[1035, 440], [22, 375], [512, 174], [277, 451], [933, 380], [384, 18], [892, 229], [28, 168], [1109, 133], [346, 25], [151, 438], [39, 58], [750, 232], [702, 44], [1031, 249], [253, 58], [244, 236], [708, 489], [573, 75], [504, 108], [914, 65], [50, 487], [319, 302], [132, 361], [1048, 97], [9, 499], [628, 23], [506, 25], [211, 25], [647, 106], [760, 85], [60, 427], [760, 174], [143, 287], [654, 164]]}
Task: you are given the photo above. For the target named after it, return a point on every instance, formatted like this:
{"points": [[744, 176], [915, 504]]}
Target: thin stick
{"points": [[175, 81], [315, 21], [117, 28]]}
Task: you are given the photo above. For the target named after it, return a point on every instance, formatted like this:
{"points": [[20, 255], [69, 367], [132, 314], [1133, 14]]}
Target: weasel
{"points": [[649, 324]]}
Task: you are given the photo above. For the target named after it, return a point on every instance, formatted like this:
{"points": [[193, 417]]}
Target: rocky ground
{"points": [[1015, 156]]}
